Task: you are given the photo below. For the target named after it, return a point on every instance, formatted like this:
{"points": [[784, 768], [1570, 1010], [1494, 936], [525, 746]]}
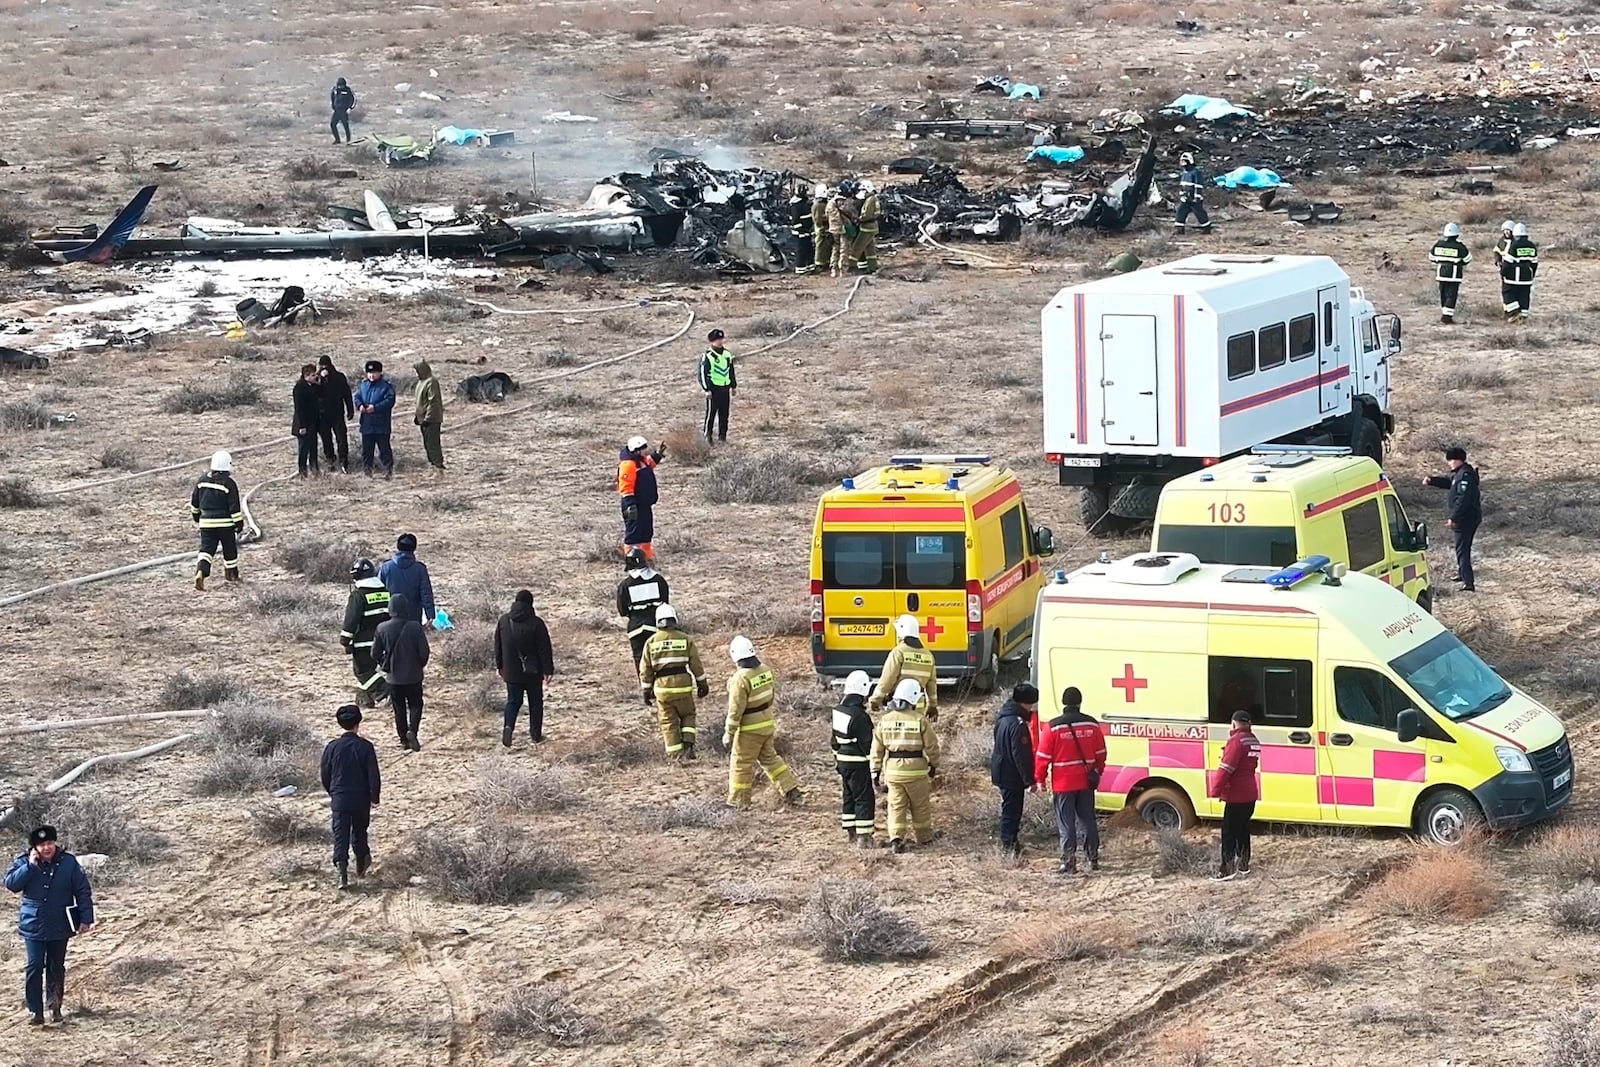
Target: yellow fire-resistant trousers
{"points": [[676, 714], [911, 797], [751, 747]]}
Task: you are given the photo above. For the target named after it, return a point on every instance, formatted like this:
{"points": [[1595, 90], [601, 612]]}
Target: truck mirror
{"points": [[1044, 541], [1419, 536], [1394, 329], [1408, 725]]}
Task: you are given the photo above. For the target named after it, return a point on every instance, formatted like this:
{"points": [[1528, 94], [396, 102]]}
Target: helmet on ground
{"points": [[636, 442], [666, 613], [362, 568], [1508, 225], [819, 192], [1520, 230], [741, 648], [858, 684], [1452, 230], [906, 626], [1187, 159], [221, 461], [633, 559], [909, 692]]}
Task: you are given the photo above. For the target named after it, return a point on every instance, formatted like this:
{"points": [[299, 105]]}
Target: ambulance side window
{"points": [[1399, 528], [1276, 692], [1363, 535], [1366, 698], [1011, 533]]}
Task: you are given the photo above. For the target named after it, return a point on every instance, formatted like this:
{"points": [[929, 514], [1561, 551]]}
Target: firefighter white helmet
{"points": [[908, 692], [741, 647], [1187, 159], [1452, 230], [1520, 230], [906, 626], [819, 192], [867, 186], [859, 684], [221, 461], [666, 613], [1508, 225], [636, 442]]}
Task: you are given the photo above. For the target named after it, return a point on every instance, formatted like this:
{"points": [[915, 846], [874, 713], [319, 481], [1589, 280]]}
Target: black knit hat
{"points": [[40, 835], [374, 365], [1458, 454], [347, 716], [1025, 693], [325, 360], [1071, 697], [715, 335]]}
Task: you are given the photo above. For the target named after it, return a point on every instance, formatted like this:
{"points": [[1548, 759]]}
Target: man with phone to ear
{"points": [[56, 904]]}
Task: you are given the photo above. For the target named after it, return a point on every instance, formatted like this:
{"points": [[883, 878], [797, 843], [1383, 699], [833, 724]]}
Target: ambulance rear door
{"points": [[930, 567]]}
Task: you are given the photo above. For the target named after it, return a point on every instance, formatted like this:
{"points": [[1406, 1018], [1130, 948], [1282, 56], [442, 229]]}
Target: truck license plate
{"points": [[1080, 461], [860, 629], [1561, 779]]}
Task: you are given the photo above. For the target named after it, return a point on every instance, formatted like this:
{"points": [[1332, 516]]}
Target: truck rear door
{"points": [[1330, 352], [1128, 380]]}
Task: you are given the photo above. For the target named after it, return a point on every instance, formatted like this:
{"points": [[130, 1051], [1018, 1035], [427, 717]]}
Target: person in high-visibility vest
{"points": [[852, 752], [670, 676], [642, 590], [719, 382], [1449, 258], [366, 609], [908, 659], [636, 491], [905, 757], [751, 732]]}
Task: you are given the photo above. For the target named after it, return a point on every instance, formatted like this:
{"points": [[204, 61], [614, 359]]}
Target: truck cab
{"points": [[1281, 503]]}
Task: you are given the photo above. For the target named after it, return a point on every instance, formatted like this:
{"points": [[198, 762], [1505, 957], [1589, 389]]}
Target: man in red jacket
{"points": [[1234, 783], [1072, 752]]}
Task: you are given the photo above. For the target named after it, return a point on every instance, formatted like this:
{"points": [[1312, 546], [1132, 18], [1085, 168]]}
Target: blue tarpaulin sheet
{"points": [[457, 136], [1207, 108], [1250, 178], [1019, 90], [1056, 154]]}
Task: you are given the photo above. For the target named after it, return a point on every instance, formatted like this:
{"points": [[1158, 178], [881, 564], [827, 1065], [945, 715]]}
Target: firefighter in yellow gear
{"points": [[671, 677], [751, 732], [865, 252], [822, 237], [908, 659], [842, 214], [905, 757]]}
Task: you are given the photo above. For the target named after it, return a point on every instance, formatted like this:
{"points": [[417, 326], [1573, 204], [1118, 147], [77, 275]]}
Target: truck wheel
{"points": [[1369, 441], [1092, 503], [1448, 817], [1165, 808], [1425, 600], [1135, 503]]}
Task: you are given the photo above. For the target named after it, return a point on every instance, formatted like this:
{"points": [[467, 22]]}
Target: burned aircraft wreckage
{"points": [[749, 220]]}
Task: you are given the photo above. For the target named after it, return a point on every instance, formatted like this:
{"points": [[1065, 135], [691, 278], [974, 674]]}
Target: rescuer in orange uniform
{"points": [[636, 486]]}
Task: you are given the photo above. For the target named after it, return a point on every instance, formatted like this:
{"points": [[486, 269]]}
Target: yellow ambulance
{"points": [[943, 538], [1286, 502], [1369, 712]]}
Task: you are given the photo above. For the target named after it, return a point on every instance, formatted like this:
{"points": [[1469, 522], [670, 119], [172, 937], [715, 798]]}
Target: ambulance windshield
{"points": [[1451, 678]]}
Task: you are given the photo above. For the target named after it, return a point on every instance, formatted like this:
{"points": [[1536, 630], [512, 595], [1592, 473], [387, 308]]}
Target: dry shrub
{"points": [[138, 970], [969, 748], [119, 457], [496, 865], [1478, 212], [234, 770], [845, 920], [992, 1048], [1578, 909], [697, 812], [1177, 854], [25, 414], [687, 446], [770, 326], [742, 894], [760, 621], [186, 691], [197, 395], [1436, 884], [1207, 931], [96, 821], [506, 785], [1324, 955], [1574, 1041], [258, 727], [770, 476], [1472, 378], [544, 1012], [626, 748], [1072, 941], [281, 825], [1569, 854], [469, 649], [603, 545], [18, 492], [307, 169], [273, 601], [1186, 1047], [322, 559]]}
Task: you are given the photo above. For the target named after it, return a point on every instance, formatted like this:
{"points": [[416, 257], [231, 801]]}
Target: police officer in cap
{"points": [[350, 776], [1450, 258], [57, 904], [1464, 508], [719, 383]]}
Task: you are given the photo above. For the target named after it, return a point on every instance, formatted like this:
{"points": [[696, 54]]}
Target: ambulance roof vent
{"points": [[1241, 259], [1153, 568], [1204, 272]]}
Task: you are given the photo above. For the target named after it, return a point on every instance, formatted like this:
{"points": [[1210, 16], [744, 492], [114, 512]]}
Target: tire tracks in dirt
{"points": [[443, 974]]}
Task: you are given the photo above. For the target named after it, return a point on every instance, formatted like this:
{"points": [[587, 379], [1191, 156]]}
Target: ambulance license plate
{"points": [[860, 629], [1080, 461], [1561, 779]]}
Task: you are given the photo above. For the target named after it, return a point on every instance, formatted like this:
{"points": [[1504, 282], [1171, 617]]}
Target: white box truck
{"points": [[1156, 373]]}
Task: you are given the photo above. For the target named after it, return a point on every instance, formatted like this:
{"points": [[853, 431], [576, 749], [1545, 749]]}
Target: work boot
{"points": [[688, 750], [505, 737], [1010, 849], [1445, 320], [794, 798], [1094, 863], [538, 738], [1068, 866], [344, 875], [36, 1020], [412, 743], [866, 841], [404, 743], [363, 866], [850, 836], [897, 846], [55, 1014], [200, 583], [232, 576], [1225, 872]]}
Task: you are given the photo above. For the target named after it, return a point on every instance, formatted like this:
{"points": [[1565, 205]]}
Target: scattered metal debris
{"points": [[17, 358], [490, 388]]}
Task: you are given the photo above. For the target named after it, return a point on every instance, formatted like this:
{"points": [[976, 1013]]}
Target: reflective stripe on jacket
{"points": [[1069, 747], [1450, 258], [670, 663], [215, 503], [907, 661], [852, 731], [904, 746], [364, 612], [751, 693]]}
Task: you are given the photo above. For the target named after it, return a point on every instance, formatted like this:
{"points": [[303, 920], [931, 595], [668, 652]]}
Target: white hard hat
{"points": [[666, 613], [1186, 158], [906, 626], [1452, 230], [1520, 230], [1508, 224], [867, 186], [221, 461], [740, 648], [858, 684], [636, 442], [861, 194], [910, 691], [819, 192]]}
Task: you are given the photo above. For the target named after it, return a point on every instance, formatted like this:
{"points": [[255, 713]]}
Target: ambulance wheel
{"points": [[1448, 817], [1425, 600], [988, 679], [1165, 808], [1369, 441]]}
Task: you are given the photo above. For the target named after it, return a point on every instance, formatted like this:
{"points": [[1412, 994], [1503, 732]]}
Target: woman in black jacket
{"points": [[307, 417], [337, 410], [523, 659]]}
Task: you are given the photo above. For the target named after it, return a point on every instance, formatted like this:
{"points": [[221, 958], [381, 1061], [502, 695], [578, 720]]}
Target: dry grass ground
{"points": [[577, 902]]}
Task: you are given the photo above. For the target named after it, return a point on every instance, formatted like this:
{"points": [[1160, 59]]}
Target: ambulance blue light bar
{"points": [[922, 461], [1297, 572]]}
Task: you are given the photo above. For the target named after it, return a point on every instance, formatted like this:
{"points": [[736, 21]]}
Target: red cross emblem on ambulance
{"points": [[1129, 684]]}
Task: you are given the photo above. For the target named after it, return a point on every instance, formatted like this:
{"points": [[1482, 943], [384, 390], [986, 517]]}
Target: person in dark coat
{"points": [[342, 101], [403, 574], [57, 904], [401, 648], [338, 408], [374, 399], [852, 758], [1011, 761], [1464, 509], [352, 781], [308, 418], [524, 661], [1072, 757]]}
